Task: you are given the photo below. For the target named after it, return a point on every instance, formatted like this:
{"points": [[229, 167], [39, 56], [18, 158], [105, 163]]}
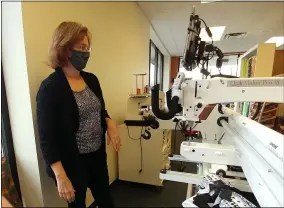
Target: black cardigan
{"points": [[58, 118]]}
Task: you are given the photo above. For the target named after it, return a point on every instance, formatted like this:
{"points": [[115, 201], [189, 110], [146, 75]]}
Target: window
{"points": [[156, 66], [229, 67]]}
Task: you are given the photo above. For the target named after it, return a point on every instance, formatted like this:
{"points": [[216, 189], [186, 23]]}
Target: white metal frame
{"points": [[254, 147], [203, 169], [229, 90], [262, 166], [261, 160], [223, 90], [215, 167], [209, 153]]}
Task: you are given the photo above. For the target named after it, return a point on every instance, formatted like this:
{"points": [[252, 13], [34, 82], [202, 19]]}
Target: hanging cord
{"points": [[132, 137], [141, 149], [141, 158]]}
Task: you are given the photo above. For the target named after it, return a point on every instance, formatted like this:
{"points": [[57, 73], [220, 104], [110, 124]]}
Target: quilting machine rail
{"points": [[254, 147]]}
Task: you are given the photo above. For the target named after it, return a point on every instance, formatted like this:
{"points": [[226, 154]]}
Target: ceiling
{"points": [[261, 20]]}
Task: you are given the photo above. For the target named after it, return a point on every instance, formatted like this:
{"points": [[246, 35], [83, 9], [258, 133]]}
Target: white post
{"points": [[18, 98]]}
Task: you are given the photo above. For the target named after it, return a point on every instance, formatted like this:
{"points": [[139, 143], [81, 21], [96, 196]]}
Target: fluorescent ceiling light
{"points": [[278, 40], [208, 1], [217, 33]]}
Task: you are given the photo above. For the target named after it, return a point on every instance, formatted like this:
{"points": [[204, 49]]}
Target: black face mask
{"points": [[79, 59]]}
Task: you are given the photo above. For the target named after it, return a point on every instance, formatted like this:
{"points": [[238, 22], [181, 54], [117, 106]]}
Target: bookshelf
{"points": [[262, 60]]}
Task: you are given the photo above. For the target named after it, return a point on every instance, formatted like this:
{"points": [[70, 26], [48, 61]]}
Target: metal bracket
{"points": [[220, 109], [225, 118], [178, 158]]}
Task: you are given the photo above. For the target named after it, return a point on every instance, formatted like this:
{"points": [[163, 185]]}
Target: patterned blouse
{"points": [[89, 134]]}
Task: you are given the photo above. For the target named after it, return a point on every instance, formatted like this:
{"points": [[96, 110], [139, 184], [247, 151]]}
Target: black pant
{"points": [[91, 171]]}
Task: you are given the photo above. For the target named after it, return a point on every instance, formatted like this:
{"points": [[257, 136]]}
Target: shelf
{"points": [[267, 111], [144, 95], [251, 52], [140, 74], [267, 119]]}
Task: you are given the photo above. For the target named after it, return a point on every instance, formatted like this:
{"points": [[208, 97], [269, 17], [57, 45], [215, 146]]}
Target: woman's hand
{"points": [[64, 185], [65, 189], [113, 135]]}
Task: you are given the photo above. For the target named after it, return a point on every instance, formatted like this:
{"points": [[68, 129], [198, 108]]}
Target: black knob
{"points": [[163, 171], [199, 105], [155, 124]]}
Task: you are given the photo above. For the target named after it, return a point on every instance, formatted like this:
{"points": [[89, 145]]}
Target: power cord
{"points": [[207, 29], [134, 138], [141, 149], [141, 158]]}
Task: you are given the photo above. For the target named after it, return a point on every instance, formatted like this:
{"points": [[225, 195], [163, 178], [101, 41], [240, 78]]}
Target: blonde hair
{"points": [[64, 37]]}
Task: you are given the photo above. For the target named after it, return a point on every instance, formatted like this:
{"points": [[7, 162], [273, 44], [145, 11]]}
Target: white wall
{"points": [[120, 48], [166, 75], [157, 41], [18, 96]]}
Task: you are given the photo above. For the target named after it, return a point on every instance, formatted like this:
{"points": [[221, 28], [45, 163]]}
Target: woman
{"points": [[72, 120]]}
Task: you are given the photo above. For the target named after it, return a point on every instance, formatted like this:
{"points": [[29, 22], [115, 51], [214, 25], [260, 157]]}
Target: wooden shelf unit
{"points": [[269, 62]]}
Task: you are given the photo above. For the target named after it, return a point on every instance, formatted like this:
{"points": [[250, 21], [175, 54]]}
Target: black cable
{"points": [[190, 129], [194, 126], [141, 149], [202, 64], [206, 28], [223, 75], [207, 62], [183, 127], [133, 138], [141, 158], [193, 31], [202, 21], [237, 64]]}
